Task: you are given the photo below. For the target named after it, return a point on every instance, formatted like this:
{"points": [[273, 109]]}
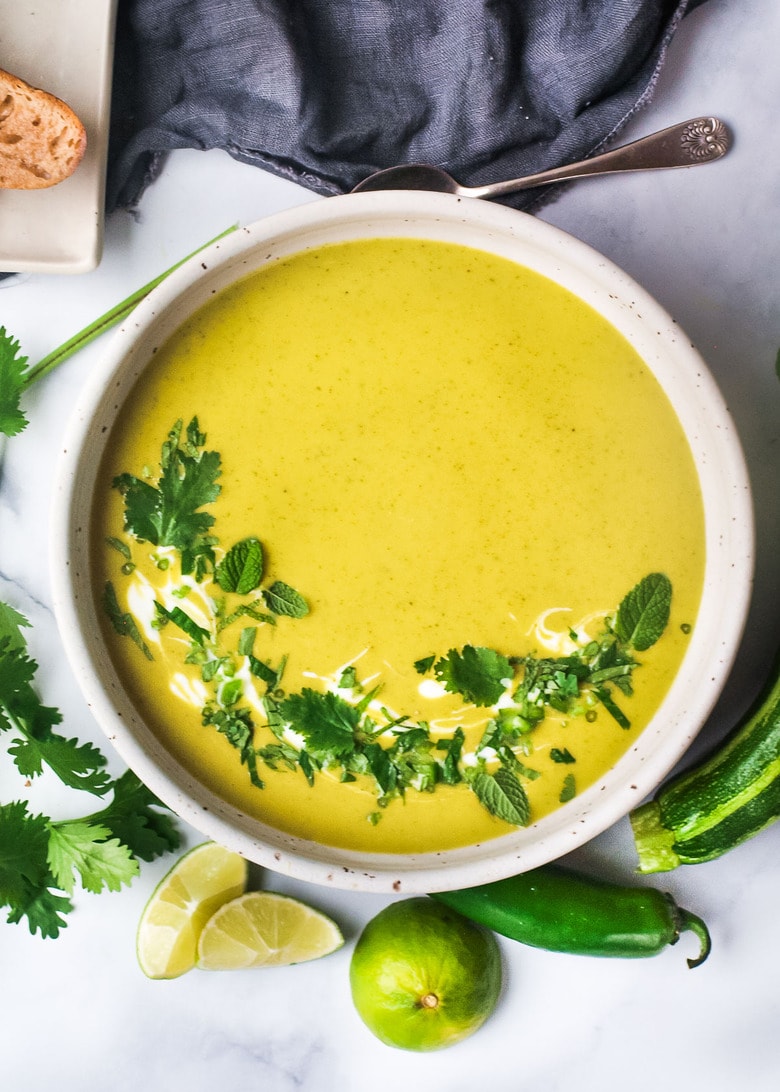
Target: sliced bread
{"points": [[42, 141]]}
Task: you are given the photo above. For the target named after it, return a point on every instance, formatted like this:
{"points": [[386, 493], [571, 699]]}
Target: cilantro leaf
{"points": [[24, 841], [11, 625], [326, 722], [138, 819], [39, 859], [241, 569], [86, 848], [13, 375], [480, 675], [644, 612], [25, 879], [78, 765], [170, 512], [569, 789], [44, 911]]}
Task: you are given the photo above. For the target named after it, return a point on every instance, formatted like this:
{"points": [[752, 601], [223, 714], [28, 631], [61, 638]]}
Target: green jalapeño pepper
{"points": [[564, 911]]}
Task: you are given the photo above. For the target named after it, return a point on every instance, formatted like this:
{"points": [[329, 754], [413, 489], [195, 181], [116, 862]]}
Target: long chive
{"points": [[106, 321]]}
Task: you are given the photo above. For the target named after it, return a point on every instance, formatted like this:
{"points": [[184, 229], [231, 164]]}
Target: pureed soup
{"points": [[399, 545]]}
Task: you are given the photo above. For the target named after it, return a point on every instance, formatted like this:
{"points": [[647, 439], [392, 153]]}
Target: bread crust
{"points": [[42, 140]]}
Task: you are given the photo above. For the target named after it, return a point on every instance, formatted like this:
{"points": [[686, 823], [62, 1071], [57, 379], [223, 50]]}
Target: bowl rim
{"points": [[683, 375]]}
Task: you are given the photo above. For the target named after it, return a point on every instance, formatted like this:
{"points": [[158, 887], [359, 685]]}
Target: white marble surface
{"points": [[76, 1014]]}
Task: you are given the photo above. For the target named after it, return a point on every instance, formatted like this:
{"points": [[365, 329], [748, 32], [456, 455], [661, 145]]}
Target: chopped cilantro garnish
{"points": [[562, 755], [569, 790]]}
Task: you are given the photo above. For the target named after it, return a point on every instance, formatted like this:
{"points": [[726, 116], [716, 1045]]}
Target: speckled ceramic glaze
{"points": [[680, 371]]}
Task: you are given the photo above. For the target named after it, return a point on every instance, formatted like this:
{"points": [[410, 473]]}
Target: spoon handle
{"points": [[699, 140]]}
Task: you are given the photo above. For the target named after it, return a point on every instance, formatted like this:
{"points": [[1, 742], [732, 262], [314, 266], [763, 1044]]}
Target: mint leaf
{"points": [[282, 599], [241, 569], [13, 374], [122, 621], [480, 675], [183, 622], [562, 755], [643, 614], [270, 676], [326, 722], [503, 796]]}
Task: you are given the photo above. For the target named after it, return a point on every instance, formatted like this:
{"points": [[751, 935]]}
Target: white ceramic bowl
{"points": [[687, 383]]}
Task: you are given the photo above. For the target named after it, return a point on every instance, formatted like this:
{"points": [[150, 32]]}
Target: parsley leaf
{"points": [[13, 374], [480, 675]]}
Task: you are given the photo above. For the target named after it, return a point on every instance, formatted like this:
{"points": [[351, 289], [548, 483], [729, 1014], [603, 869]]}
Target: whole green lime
{"points": [[423, 976]]}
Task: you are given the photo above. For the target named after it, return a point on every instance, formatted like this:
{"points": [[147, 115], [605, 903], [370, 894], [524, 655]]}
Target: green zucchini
{"points": [[728, 797]]}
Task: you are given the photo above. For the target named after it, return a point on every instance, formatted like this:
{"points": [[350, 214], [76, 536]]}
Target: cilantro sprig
{"points": [[13, 378], [42, 859]]}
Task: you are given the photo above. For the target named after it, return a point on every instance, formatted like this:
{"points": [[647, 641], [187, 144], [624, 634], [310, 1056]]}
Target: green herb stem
{"points": [[106, 321]]}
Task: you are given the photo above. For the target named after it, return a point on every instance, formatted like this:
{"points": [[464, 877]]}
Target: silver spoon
{"points": [[699, 140]]}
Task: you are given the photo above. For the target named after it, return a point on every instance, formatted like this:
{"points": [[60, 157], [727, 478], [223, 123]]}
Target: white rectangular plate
{"points": [[65, 47]]}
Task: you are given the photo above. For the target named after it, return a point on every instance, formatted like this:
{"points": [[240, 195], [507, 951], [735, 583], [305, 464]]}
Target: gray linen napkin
{"points": [[323, 92]]}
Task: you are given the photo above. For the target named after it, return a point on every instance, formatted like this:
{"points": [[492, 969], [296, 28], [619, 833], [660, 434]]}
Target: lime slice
{"points": [[197, 885], [265, 929]]}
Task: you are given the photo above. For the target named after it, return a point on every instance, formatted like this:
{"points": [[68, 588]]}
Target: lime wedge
{"points": [[265, 929], [198, 884]]}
